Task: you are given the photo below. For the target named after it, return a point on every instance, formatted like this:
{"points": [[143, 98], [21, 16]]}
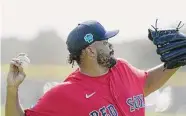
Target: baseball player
{"points": [[102, 85]]}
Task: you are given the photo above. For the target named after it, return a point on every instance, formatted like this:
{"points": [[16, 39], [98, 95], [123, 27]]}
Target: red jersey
{"points": [[117, 93]]}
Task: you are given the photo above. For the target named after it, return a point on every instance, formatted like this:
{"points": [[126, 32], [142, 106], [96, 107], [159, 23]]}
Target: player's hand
{"points": [[16, 74]]}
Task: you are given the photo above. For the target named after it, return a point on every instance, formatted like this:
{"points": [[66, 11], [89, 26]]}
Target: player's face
{"points": [[105, 54]]}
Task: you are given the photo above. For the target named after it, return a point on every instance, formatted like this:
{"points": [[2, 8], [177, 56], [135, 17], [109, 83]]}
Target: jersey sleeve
{"points": [[138, 75], [51, 102]]}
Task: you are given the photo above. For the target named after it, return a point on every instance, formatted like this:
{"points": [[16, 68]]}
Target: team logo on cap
{"points": [[89, 38]]}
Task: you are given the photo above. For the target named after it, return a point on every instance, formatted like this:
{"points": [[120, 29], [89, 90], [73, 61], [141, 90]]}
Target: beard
{"points": [[106, 60]]}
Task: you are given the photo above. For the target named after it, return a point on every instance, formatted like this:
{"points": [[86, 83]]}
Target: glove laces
{"points": [[179, 27]]}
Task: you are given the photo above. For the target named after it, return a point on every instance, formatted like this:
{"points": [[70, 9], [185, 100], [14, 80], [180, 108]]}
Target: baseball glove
{"points": [[171, 46]]}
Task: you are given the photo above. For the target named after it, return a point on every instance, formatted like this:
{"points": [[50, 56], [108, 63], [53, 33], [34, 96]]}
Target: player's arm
{"points": [[15, 77], [156, 78], [13, 107]]}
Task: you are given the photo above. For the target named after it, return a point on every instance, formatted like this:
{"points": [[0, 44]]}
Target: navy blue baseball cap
{"points": [[85, 34]]}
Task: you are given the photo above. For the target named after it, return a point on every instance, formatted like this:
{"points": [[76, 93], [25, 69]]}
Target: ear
{"points": [[91, 51]]}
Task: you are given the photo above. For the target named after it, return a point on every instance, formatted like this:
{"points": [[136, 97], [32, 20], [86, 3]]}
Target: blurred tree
{"points": [[47, 48], [10, 47], [140, 53]]}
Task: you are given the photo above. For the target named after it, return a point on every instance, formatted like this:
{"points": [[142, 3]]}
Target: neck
{"points": [[93, 70]]}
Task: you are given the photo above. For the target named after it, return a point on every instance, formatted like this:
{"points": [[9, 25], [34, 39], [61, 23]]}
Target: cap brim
{"points": [[110, 34]]}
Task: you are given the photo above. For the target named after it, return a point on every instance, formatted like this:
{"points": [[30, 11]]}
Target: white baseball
{"points": [[23, 59]]}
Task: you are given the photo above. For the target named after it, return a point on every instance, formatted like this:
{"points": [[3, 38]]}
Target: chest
{"points": [[96, 101], [107, 99]]}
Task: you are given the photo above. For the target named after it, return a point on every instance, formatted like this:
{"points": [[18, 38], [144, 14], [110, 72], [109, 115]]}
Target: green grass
{"points": [[2, 111], [56, 72]]}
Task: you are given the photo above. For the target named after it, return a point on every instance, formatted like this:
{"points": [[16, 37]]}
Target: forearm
{"points": [[13, 108], [157, 77]]}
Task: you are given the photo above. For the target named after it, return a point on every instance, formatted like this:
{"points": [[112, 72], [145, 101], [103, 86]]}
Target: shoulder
{"points": [[54, 99], [122, 67], [122, 63], [125, 66], [58, 94], [63, 87], [70, 84]]}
